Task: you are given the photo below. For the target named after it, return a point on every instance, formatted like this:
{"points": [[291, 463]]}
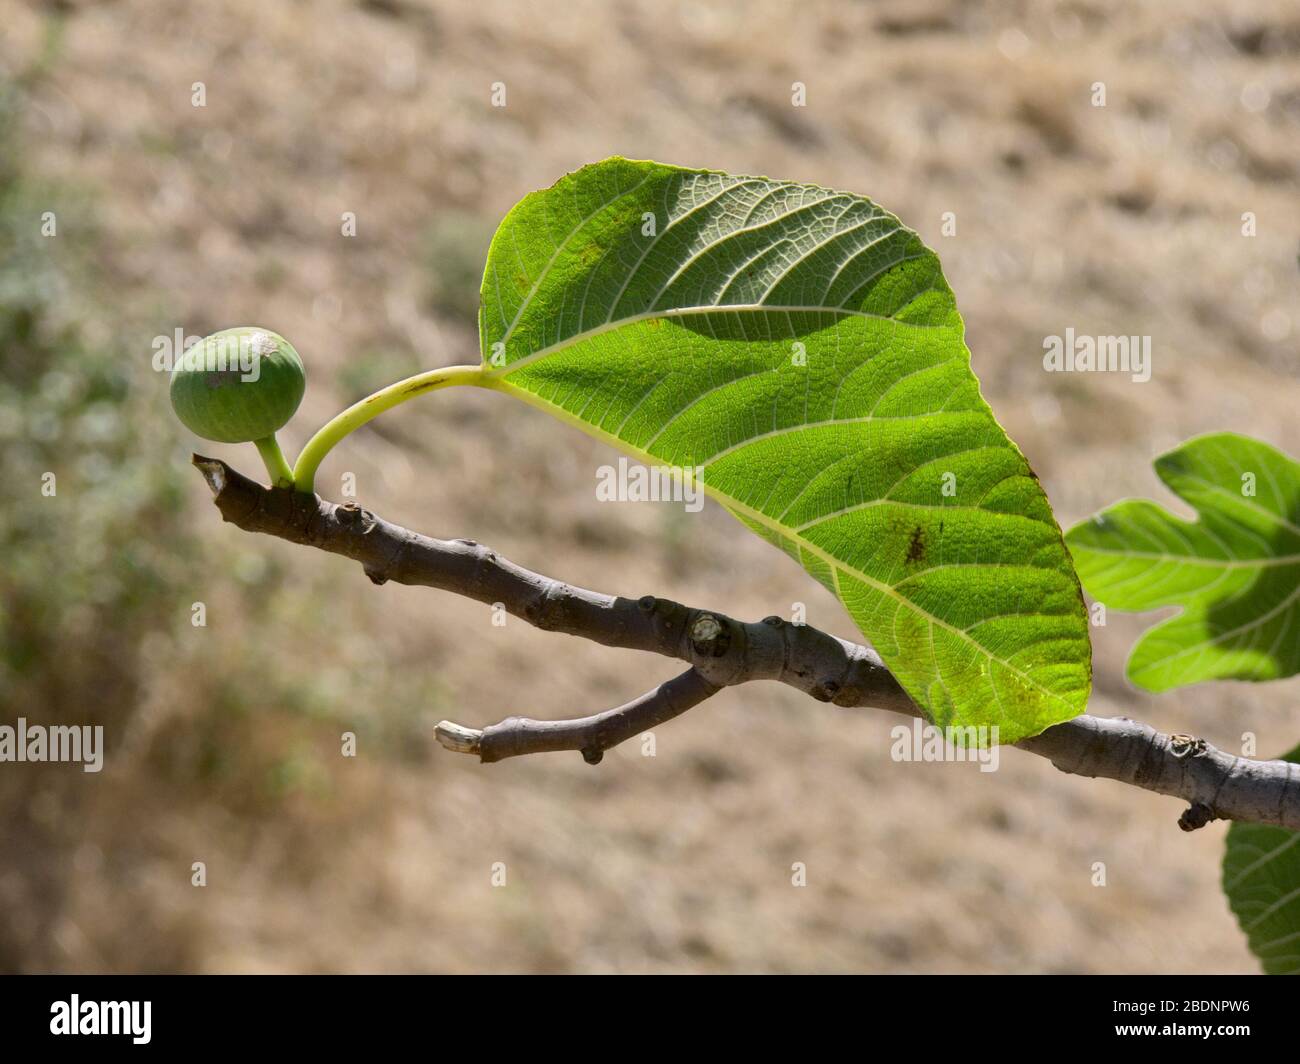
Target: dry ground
{"points": [[1117, 219]]}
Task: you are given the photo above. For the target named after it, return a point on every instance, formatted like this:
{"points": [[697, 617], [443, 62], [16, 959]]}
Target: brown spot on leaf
{"points": [[916, 548]]}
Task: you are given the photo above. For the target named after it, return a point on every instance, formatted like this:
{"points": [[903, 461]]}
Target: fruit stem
{"points": [[273, 458], [304, 471]]}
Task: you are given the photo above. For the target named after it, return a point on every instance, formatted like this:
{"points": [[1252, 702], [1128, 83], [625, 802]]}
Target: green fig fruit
{"points": [[238, 385]]}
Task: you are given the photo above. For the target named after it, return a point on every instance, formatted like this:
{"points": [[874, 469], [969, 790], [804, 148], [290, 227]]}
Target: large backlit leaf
{"points": [[802, 349], [1235, 572], [1261, 876]]}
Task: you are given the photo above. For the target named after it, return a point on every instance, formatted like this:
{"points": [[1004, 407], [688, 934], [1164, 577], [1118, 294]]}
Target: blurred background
{"points": [[223, 742]]}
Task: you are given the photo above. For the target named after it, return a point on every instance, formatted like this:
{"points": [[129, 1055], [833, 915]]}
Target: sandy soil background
{"points": [[1123, 218]]}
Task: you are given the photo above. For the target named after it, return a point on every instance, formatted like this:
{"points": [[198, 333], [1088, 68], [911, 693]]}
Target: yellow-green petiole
{"points": [[304, 471]]}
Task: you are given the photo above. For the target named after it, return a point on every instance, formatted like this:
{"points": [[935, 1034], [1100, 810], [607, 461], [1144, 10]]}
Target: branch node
{"points": [[538, 612], [709, 636], [1184, 745], [350, 515], [1196, 815], [593, 755]]}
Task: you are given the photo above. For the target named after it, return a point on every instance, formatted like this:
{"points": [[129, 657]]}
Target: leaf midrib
{"points": [[681, 312]]}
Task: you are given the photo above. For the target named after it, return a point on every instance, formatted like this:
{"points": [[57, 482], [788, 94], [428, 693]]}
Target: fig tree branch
{"points": [[592, 736], [723, 652]]}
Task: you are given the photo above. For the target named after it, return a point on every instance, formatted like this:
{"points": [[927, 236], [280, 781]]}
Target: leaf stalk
{"points": [[351, 419]]}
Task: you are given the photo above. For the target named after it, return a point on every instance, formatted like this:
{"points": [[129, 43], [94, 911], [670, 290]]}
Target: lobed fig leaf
{"points": [[797, 352], [1261, 878], [1235, 572]]}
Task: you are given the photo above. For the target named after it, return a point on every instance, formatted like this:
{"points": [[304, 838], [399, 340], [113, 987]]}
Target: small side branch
{"points": [[721, 652], [591, 735]]}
